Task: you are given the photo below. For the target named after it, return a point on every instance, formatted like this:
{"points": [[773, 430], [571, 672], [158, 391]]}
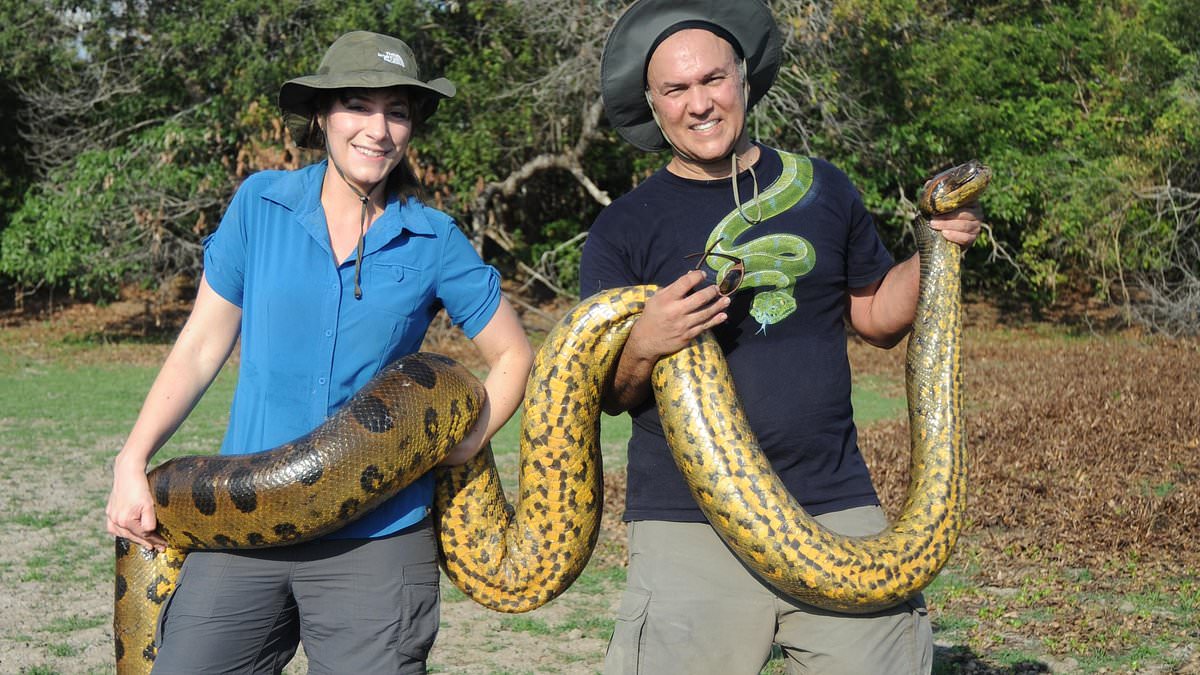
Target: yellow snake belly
{"points": [[398, 427]]}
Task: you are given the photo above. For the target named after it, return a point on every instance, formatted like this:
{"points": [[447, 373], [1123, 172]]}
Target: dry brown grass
{"points": [[1083, 540]]}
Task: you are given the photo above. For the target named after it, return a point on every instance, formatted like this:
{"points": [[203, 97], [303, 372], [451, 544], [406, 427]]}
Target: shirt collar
{"points": [[300, 192]]}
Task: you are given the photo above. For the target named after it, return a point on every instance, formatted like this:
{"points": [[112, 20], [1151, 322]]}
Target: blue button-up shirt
{"points": [[307, 345]]}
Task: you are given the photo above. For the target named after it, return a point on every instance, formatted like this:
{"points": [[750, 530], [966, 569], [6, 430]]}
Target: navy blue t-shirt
{"points": [[789, 362]]}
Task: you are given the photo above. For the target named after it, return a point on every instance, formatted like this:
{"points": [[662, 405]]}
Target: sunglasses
{"points": [[728, 284]]}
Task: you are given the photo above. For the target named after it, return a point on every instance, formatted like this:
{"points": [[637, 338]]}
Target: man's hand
{"points": [[672, 318], [961, 227]]}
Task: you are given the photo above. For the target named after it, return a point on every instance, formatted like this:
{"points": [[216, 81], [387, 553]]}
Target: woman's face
{"points": [[368, 131]]}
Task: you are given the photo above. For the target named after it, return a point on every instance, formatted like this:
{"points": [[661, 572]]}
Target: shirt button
{"points": [[328, 333], [321, 381]]}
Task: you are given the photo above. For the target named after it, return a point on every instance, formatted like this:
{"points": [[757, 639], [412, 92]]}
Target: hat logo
{"points": [[392, 57]]}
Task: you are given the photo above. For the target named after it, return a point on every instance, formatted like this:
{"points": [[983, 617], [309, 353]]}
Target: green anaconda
{"points": [[746, 502], [398, 427], [516, 558]]}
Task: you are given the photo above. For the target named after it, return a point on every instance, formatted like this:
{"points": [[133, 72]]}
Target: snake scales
{"points": [[516, 558]]}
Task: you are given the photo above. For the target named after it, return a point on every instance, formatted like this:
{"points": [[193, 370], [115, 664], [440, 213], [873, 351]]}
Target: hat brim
{"points": [[622, 67], [298, 96]]}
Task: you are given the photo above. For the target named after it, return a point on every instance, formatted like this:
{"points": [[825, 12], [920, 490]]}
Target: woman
{"points": [[326, 274]]}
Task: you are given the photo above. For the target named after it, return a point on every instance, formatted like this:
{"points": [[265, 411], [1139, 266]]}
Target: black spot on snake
{"points": [[121, 587], [203, 495], [224, 542], [119, 647], [305, 463], [286, 531], [421, 373], [431, 422], [348, 509], [371, 479], [122, 546], [242, 492], [256, 539], [149, 652], [152, 590], [162, 489], [372, 414]]}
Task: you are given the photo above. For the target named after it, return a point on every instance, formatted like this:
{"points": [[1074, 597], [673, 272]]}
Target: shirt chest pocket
{"points": [[395, 288]]}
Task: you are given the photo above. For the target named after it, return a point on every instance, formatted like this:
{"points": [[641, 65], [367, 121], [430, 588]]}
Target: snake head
{"points": [[953, 188]]}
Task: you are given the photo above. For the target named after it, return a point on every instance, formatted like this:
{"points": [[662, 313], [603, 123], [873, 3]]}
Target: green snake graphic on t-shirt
{"points": [[772, 262]]}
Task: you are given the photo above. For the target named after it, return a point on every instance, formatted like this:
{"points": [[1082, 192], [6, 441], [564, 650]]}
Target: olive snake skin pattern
{"points": [[517, 558], [395, 429]]}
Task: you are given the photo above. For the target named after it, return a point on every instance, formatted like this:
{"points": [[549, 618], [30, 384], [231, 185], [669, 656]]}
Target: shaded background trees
{"points": [[129, 125]]}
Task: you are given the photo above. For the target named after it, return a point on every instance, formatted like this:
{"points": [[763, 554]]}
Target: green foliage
{"points": [[1062, 99], [1082, 109], [105, 217]]}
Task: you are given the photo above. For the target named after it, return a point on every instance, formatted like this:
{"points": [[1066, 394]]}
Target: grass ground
{"points": [[1081, 554]]}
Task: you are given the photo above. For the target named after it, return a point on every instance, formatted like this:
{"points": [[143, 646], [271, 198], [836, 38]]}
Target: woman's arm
{"points": [[504, 347], [199, 352]]}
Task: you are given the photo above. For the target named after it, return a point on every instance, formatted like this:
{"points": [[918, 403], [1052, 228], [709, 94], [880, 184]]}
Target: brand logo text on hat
{"points": [[392, 57]]}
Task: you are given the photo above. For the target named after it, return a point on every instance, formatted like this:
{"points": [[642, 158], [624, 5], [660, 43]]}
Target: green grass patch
{"points": [[873, 402], [70, 624], [55, 405], [526, 624], [62, 649]]}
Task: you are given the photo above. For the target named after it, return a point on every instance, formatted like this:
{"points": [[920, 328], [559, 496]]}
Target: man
{"points": [[791, 253]]}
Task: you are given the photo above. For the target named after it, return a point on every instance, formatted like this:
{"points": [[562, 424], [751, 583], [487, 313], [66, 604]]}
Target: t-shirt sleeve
{"points": [[604, 263], [225, 249], [867, 259], [468, 288]]}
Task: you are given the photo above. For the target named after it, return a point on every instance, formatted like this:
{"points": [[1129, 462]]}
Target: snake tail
{"points": [[394, 430], [517, 557]]}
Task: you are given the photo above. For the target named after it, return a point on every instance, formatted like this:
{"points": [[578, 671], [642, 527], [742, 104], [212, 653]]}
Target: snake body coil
{"points": [[401, 424], [748, 505], [516, 558]]}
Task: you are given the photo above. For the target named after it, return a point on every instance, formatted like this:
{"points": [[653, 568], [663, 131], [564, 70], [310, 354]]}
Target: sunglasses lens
{"points": [[732, 280]]}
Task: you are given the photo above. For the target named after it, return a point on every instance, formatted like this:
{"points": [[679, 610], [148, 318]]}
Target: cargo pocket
{"points": [[420, 613], [625, 647], [922, 636]]}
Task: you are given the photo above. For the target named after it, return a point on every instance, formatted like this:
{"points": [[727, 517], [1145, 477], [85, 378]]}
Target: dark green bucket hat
{"points": [[358, 59], [746, 24]]}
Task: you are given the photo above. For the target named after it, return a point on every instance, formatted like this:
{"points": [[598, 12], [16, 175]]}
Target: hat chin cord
{"points": [[733, 157], [363, 198]]}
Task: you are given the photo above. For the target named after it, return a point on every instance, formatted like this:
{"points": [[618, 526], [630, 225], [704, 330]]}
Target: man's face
{"points": [[697, 92]]}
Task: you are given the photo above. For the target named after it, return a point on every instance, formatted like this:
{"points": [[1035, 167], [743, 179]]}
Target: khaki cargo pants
{"points": [[690, 606]]}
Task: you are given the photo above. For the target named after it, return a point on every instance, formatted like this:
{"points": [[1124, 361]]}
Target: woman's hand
{"points": [[130, 511]]}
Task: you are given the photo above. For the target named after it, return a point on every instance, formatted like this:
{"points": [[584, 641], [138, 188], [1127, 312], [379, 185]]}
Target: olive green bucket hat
{"points": [[359, 60], [746, 24]]}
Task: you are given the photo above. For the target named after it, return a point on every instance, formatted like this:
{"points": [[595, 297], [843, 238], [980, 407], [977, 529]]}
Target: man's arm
{"points": [[883, 312]]}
